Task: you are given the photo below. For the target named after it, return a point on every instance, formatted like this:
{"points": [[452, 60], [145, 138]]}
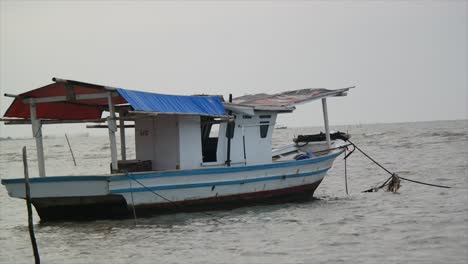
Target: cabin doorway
{"points": [[209, 138]]}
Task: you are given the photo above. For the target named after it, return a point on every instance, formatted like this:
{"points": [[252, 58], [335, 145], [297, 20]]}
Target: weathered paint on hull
{"points": [[115, 206], [291, 194], [108, 197]]}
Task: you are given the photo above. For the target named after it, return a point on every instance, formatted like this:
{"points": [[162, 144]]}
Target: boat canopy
{"points": [[153, 102], [288, 99], [72, 100]]}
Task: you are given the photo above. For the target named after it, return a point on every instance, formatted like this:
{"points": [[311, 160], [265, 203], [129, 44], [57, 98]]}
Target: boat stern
{"points": [[58, 186], [70, 197]]}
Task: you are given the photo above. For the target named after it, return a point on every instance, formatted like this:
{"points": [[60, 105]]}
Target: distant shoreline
{"points": [[81, 134]]}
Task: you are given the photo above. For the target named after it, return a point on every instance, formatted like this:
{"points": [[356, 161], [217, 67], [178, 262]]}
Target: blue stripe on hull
{"points": [[140, 175], [57, 179], [146, 175], [219, 183]]}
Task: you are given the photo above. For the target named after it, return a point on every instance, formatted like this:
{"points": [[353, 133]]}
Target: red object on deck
{"points": [[82, 109]]}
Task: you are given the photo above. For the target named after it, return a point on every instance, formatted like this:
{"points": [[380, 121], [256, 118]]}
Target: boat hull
{"points": [[152, 193], [115, 206]]}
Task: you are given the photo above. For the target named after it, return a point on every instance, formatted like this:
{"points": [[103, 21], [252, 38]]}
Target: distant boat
{"points": [[280, 127], [178, 166]]}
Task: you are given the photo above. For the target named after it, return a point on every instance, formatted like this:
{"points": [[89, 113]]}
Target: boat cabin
{"points": [[173, 142]]}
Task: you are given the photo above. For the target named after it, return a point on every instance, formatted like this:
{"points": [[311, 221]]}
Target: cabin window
{"points": [[209, 138], [265, 116], [246, 117], [264, 128], [214, 131]]}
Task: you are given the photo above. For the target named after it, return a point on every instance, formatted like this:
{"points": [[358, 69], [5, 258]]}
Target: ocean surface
{"points": [[419, 224]]}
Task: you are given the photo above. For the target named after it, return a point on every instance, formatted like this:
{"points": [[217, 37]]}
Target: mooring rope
{"points": [[346, 173], [425, 183], [164, 198], [133, 202], [394, 180]]}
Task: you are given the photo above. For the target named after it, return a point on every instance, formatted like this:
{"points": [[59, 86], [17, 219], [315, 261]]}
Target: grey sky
{"points": [[407, 59]]}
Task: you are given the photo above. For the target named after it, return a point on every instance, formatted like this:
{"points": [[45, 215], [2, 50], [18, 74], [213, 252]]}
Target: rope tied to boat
{"points": [[173, 203], [393, 182]]}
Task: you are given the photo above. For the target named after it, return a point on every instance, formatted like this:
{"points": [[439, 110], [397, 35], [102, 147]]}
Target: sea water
{"points": [[419, 224]]}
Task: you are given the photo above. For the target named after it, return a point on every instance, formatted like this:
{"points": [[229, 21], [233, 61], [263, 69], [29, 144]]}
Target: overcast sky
{"points": [[408, 59]]}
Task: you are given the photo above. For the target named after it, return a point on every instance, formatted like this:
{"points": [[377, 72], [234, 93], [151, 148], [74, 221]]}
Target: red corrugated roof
{"points": [[82, 109]]}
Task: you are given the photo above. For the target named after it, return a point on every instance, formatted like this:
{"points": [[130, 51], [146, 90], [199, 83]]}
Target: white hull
{"points": [[162, 189]]}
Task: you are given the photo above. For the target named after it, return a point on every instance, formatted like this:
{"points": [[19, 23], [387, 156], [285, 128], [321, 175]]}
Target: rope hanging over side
{"points": [[393, 182], [131, 178]]}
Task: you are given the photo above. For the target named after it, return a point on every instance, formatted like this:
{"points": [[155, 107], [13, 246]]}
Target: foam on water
{"points": [[420, 224]]}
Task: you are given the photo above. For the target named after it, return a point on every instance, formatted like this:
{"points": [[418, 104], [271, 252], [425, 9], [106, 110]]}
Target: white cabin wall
{"points": [[237, 146], [258, 150], [221, 151], [157, 139], [190, 147], [166, 143], [144, 139]]}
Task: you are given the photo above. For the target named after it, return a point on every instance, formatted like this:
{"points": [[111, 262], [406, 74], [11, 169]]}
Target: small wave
{"points": [[373, 134], [9, 154], [433, 143], [406, 172], [406, 145], [444, 134], [442, 179], [94, 156]]}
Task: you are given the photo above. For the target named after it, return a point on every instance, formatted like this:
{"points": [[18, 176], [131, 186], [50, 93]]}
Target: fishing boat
{"points": [[191, 152]]}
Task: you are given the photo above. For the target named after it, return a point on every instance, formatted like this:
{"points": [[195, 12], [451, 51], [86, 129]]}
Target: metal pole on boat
{"points": [[27, 191], [123, 150], [243, 144], [325, 120], [37, 134], [112, 129], [230, 129]]}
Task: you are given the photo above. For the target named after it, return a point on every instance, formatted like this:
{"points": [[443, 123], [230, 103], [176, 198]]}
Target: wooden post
{"points": [[71, 151], [325, 120], [37, 134], [28, 205], [112, 129], [123, 148]]}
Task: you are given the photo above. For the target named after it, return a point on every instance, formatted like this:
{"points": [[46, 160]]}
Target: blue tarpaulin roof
{"points": [[153, 102]]}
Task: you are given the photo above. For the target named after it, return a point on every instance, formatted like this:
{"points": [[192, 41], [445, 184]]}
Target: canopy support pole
{"points": [[112, 129], [325, 120], [37, 134], [123, 148]]}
